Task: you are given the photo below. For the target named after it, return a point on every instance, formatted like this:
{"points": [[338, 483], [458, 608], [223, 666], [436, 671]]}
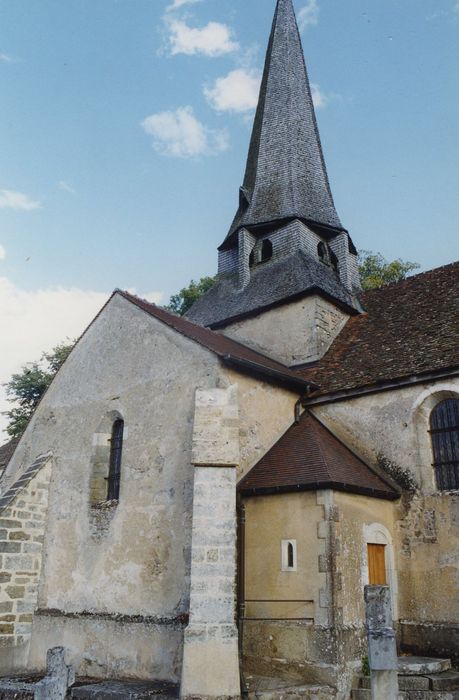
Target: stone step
{"points": [[125, 690], [264, 688], [365, 694], [421, 666], [305, 692], [447, 681], [11, 689]]}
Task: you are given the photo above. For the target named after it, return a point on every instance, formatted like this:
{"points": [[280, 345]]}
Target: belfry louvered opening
{"points": [[444, 430]]}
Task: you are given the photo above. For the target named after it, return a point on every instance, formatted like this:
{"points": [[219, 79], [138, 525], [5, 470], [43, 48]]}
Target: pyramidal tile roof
{"points": [[285, 176], [309, 457]]}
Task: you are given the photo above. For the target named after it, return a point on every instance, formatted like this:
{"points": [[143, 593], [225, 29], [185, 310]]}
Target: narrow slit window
{"points": [[291, 561], [116, 449], [288, 555], [444, 432]]}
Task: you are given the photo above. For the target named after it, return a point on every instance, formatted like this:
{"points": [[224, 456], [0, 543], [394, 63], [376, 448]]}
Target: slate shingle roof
{"points": [[273, 283], [23, 480], [309, 457], [410, 329], [228, 350], [285, 174]]}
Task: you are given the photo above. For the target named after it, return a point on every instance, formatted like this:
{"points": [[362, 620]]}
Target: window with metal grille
{"points": [[444, 431], [116, 449]]}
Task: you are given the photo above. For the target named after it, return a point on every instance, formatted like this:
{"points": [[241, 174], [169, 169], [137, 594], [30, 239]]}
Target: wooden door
{"points": [[377, 564]]}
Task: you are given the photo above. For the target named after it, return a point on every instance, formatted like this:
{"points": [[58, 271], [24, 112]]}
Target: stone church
{"points": [[202, 499]]}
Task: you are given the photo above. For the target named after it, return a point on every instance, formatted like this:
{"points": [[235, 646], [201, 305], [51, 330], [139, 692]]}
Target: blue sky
{"points": [[124, 127]]}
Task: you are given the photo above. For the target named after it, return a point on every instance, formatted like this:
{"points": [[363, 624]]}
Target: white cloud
{"points": [[236, 92], [154, 297], [2, 253], [177, 4], [35, 321], [9, 199], [181, 135], [215, 39], [308, 16], [5, 58], [65, 187], [319, 98]]}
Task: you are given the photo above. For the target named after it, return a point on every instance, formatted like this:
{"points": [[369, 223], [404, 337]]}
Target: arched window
{"points": [[288, 555], [266, 250], [444, 431], [116, 449]]}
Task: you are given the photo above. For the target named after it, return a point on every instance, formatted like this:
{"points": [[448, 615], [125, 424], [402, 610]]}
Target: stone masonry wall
{"points": [[22, 526], [212, 634]]}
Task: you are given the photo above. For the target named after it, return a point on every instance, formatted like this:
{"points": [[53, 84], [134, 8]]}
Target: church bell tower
{"points": [[288, 272]]}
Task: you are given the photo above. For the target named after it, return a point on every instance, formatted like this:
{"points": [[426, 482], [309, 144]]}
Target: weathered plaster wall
{"points": [[117, 573], [393, 424], [130, 559], [425, 533], [304, 648], [265, 413], [295, 333], [355, 517], [269, 520]]}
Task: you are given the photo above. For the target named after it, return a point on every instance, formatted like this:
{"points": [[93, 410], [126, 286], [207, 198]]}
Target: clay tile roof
{"points": [[309, 457], [229, 351], [7, 451], [410, 329]]}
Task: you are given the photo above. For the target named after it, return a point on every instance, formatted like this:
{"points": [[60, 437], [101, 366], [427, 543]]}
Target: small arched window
{"points": [[334, 261], [290, 556], [444, 431], [266, 250], [322, 252], [116, 449]]}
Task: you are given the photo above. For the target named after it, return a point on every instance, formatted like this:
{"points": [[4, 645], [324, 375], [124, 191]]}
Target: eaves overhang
{"points": [[290, 381], [310, 291], [384, 385], [320, 486], [260, 228]]}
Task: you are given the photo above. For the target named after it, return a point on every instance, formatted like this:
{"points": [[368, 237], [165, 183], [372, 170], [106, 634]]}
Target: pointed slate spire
{"points": [[286, 176]]}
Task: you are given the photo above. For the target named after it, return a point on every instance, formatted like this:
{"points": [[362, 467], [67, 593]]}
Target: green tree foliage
{"points": [[376, 271], [26, 388], [184, 300]]}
